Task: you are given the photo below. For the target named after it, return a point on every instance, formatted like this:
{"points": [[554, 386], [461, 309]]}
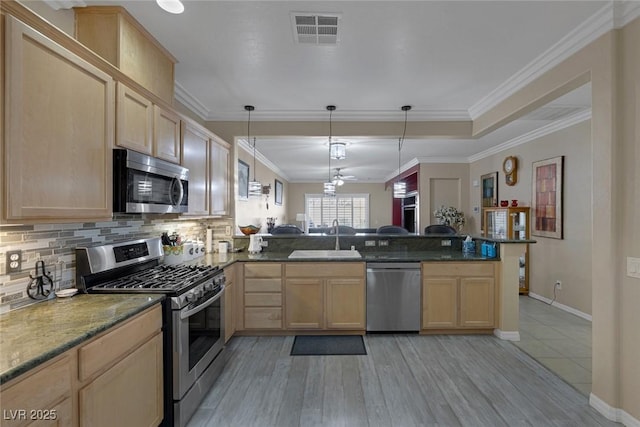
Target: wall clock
{"points": [[510, 168]]}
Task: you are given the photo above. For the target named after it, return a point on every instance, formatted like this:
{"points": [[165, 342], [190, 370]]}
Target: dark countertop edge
{"points": [[505, 241], [30, 364], [214, 259]]}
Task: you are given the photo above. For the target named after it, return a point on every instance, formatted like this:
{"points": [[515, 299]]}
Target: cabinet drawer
{"points": [[262, 318], [38, 391], [258, 299], [263, 285], [262, 270], [102, 352], [458, 269], [325, 269]]}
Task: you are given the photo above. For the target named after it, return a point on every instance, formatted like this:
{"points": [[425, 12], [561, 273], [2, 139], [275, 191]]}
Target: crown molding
{"points": [[625, 12], [242, 143], [533, 135], [345, 115], [442, 159], [598, 24], [191, 102], [405, 167]]}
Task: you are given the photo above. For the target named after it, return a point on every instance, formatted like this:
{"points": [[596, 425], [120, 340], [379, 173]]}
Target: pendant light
{"points": [[400, 187], [329, 186], [255, 187], [338, 150]]}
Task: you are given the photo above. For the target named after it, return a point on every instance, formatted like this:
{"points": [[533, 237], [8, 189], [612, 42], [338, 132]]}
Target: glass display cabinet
{"points": [[510, 223]]}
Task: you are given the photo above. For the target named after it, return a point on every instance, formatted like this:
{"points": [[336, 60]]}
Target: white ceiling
{"points": [[447, 59]]}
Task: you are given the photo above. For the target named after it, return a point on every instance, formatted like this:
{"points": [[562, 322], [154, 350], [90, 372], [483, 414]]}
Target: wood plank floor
{"points": [[404, 380]]}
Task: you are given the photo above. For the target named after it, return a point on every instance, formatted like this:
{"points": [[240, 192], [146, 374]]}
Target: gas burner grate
{"points": [[162, 278]]}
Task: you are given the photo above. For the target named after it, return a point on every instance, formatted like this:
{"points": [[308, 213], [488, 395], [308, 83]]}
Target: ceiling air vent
{"points": [[318, 29]]}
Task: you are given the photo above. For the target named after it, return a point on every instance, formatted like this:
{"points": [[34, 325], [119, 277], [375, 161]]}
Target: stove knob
{"points": [[191, 296], [208, 286]]}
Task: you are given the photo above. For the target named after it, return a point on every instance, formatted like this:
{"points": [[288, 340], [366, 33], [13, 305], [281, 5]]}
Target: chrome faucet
{"points": [[337, 226]]}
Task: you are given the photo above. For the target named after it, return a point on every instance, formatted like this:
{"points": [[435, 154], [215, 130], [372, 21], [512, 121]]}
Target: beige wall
{"points": [[433, 172], [615, 182], [379, 200], [628, 217], [255, 211], [553, 259]]}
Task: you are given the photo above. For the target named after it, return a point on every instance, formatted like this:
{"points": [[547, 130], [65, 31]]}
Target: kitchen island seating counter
{"points": [[37, 333], [225, 260]]}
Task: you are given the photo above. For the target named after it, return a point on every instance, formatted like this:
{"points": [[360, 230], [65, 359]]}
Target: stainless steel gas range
{"points": [[193, 313]]}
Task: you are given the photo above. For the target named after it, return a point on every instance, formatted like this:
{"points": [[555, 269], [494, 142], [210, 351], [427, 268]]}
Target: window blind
{"points": [[350, 209]]}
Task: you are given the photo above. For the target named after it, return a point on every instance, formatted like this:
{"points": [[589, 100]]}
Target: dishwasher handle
{"points": [[386, 266]]}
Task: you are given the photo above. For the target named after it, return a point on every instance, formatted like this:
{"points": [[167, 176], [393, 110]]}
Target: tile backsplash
{"points": [[55, 244]]}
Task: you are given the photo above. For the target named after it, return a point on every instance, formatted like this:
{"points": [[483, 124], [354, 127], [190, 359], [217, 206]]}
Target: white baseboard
{"points": [[507, 335], [561, 306], [611, 413]]}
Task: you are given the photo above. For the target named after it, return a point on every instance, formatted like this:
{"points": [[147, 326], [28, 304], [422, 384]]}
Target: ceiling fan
{"points": [[339, 179]]}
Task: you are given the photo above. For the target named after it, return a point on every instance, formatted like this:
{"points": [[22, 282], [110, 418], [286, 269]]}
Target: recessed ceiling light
{"points": [[171, 6]]}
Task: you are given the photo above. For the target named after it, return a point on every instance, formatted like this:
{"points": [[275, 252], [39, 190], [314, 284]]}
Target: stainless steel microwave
{"points": [[145, 184]]}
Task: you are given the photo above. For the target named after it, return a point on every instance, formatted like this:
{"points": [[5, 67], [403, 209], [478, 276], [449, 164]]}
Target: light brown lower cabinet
{"points": [[459, 295], [129, 393], [262, 296], [325, 296], [114, 379]]}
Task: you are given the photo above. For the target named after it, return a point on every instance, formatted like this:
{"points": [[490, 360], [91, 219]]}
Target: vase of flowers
{"points": [[450, 216]]}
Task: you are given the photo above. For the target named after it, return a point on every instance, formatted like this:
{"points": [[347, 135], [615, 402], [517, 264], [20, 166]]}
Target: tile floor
{"points": [[558, 340]]}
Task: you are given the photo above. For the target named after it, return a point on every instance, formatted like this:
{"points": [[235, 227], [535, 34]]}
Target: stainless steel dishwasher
{"points": [[393, 296]]}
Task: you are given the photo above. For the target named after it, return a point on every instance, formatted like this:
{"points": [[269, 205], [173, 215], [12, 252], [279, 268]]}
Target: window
{"points": [[349, 209]]}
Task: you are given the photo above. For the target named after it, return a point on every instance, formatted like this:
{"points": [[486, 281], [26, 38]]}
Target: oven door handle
{"points": [[186, 313]]}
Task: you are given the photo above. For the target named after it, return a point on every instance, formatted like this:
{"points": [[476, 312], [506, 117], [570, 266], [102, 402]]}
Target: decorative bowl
{"points": [[248, 229], [504, 203], [66, 293]]}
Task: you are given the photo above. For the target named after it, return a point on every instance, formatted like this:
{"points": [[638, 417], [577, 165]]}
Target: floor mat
{"points": [[325, 345]]}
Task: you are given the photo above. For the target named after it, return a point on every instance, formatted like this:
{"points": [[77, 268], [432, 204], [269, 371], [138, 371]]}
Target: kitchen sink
{"points": [[320, 253]]}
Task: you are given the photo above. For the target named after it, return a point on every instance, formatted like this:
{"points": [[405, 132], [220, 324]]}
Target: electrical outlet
{"points": [[383, 243], [445, 243], [633, 267], [369, 242], [14, 261], [558, 284]]}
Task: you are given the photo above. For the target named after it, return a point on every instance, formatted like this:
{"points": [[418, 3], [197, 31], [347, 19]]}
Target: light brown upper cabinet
{"points": [[207, 157], [220, 180], [59, 131], [145, 127], [195, 150], [166, 135], [134, 121], [112, 33]]}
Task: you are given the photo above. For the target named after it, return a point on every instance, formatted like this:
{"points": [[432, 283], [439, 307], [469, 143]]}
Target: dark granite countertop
{"points": [[34, 334], [224, 260]]}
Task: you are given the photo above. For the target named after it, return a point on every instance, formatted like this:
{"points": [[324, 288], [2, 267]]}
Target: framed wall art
{"points": [[546, 197], [278, 194], [243, 180]]}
